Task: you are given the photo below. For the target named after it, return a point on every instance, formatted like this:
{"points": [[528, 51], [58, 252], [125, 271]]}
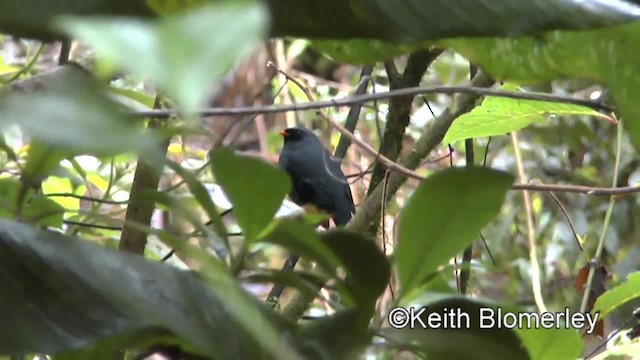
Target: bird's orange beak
{"points": [[284, 133]]}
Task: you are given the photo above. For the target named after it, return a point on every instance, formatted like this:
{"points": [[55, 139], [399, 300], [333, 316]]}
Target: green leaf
{"points": [[443, 216], [254, 187], [333, 337], [9, 188], [72, 114], [202, 195], [618, 296], [540, 343], [170, 7], [36, 209], [105, 348], [135, 100], [620, 351], [499, 116], [462, 341], [184, 54], [365, 279], [43, 211], [62, 293], [304, 282], [302, 240], [361, 51], [61, 185], [551, 344], [42, 159]]}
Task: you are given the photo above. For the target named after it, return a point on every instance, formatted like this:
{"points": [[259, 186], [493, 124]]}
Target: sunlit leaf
{"points": [[499, 116]]}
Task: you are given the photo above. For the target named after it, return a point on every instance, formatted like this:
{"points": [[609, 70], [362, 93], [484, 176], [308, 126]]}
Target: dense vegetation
{"points": [[491, 149]]}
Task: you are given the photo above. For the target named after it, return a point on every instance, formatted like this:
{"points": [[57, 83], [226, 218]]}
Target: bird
{"points": [[316, 177]]}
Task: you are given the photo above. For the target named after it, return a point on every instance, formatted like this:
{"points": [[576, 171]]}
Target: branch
{"points": [[399, 114], [359, 99], [354, 113], [140, 209]]}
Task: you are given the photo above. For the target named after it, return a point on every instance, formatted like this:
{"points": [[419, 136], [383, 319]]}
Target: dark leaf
{"points": [[367, 268], [61, 293], [302, 240], [333, 337]]}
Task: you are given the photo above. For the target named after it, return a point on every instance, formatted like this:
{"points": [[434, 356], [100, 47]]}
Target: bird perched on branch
{"points": [[316, 179]]}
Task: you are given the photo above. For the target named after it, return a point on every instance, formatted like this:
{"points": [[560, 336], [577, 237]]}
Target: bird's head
{"points": [[298, 135]]}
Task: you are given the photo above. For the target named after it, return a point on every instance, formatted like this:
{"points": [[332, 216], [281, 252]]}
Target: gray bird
{"points": [[316, 177]]}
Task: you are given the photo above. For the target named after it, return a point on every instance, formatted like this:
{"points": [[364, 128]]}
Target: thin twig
{"points": [[467, 254], [533, 253], [569, 221], [29, 64], [605, 226], [359, 99], [94, 226], [87, 198], [587, 190]]}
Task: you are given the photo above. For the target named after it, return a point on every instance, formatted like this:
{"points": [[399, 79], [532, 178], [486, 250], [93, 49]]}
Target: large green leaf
{"points": [[61, 293], [443, 216], [179, 53], [499, 116], [618, 296], [73, 115], [256, 188]]}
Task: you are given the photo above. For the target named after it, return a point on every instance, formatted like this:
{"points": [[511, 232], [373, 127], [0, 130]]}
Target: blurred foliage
{"points": [[70, 148]]}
